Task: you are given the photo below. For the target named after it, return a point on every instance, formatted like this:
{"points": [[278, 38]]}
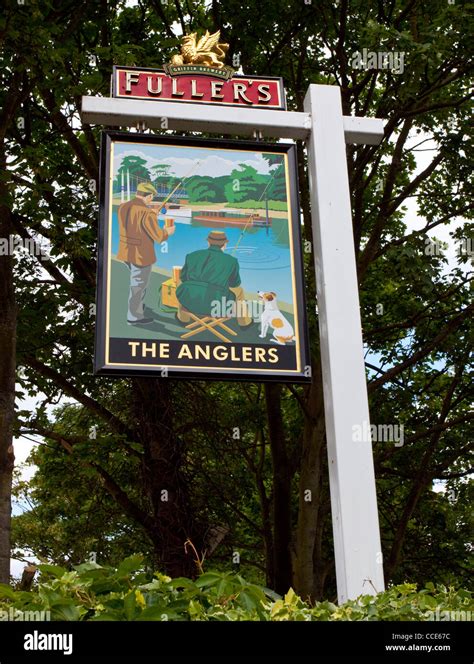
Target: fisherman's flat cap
{"points": [[146, 188], [217, 237]]}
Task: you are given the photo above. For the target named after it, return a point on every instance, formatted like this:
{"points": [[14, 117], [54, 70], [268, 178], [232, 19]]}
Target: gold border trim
{"points": [[108, 363], [197, 101]]}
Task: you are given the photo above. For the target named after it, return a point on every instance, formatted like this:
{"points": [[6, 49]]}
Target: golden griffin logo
{"points": [[196, 55]]}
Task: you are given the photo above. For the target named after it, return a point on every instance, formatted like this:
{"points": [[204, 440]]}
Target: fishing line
{"points": [[253, 214]]}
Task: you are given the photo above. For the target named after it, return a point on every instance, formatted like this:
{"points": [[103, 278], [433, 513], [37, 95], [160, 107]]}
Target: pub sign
{"points": [[200, 261]]}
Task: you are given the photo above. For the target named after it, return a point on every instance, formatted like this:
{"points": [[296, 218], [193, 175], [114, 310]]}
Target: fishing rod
{"points": [[181, 181], [253, 214]]}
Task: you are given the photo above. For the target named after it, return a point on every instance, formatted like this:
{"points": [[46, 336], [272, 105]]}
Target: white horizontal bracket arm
{"points": [[368, 131], [195, 117], [212, 118]]}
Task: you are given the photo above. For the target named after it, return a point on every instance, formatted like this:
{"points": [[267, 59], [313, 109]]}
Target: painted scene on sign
{"points": [[200, 245]]}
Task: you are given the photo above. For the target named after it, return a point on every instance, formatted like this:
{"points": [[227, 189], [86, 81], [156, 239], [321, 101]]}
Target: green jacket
{"points": [[206, 276]]}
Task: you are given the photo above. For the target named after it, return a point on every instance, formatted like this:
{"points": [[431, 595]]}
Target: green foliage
{"points": [[71, 513], [204, 188], [413, 303], [245, 183], [128, 592]]}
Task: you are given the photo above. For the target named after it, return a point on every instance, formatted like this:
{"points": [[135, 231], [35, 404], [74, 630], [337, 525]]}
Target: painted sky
{"points": [[212, 163]]}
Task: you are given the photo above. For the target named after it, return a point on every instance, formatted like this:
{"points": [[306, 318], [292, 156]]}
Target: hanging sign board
{"points": [[200, 262]]}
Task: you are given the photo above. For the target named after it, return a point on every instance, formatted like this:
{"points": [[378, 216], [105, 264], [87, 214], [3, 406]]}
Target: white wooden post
{"points": [[351, 470], [357, 546]]}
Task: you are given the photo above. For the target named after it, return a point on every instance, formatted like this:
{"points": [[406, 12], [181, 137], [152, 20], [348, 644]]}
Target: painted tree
{"points": [[161, 180], [132, 169], [160, 170], [203, 188], [206, 188], [244, 184], [276, 188]]}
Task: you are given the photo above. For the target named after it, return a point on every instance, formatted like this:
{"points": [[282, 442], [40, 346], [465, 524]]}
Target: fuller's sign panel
{"points": [[200, 263], [198, 84]]}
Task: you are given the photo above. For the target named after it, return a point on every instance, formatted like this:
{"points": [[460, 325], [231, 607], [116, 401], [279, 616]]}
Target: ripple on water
{"points": [[256, 258]]}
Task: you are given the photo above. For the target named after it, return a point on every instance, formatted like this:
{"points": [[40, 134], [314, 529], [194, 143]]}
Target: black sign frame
{"points": [[105, 367]]}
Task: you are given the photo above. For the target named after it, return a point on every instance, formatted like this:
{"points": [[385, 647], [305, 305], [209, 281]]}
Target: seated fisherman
{"points": [[209, 276]]}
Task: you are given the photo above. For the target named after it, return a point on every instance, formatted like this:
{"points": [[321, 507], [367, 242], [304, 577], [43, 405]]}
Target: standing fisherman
{"points": [[139, 230]]}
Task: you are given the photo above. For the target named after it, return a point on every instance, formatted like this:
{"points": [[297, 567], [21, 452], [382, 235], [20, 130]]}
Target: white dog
{"points": [[272, 317]]}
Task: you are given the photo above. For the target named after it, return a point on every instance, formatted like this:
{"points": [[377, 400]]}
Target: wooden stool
{"points": [[207, 323]]}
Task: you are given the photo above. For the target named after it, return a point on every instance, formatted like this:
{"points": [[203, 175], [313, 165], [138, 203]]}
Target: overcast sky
{"points": [[185, 162]]}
